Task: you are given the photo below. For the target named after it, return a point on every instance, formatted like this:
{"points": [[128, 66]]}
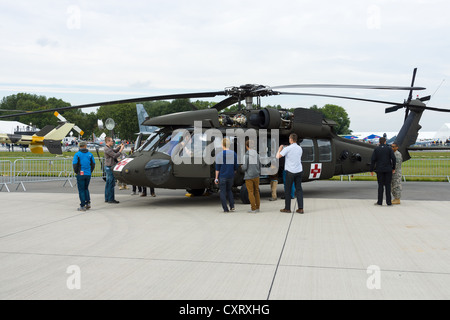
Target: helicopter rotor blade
{"points": [[343, 86], [399, 106], [410, 93], [393, 109], [435, 109], [412, 84], [426, 98], [153, 98], [339, 97], [390, 109], [226, 103]]}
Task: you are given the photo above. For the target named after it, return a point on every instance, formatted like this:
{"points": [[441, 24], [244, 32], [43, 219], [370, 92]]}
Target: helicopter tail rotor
{"points": [[410, 103]]}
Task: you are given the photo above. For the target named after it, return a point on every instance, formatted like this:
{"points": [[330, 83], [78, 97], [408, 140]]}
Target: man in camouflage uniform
{"points": [[396, 184]]}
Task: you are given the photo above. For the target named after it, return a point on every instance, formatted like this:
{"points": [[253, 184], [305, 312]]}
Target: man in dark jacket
{"points": [[111, 158], [83, 165], [383, 160]]}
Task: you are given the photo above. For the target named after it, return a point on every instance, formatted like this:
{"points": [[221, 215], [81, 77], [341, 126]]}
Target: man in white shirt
{"points": [[294, 169]]}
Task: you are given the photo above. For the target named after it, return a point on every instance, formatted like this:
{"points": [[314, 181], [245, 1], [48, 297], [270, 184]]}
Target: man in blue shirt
{"points": [[226, 165], [83, 165]]}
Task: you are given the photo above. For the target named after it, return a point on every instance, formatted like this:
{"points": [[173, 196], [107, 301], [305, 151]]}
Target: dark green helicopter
{"points": [[325, 154], [180, 154]]}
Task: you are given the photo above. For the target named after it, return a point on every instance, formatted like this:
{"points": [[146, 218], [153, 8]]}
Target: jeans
{"points": [[110, 183], [295, 178], [226, 193], [293, 186], [83, 189], [384, 181]]}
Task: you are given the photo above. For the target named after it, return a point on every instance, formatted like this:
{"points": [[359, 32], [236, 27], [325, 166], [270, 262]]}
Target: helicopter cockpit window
{"points": [[324, 150], [308, 150], [168, 142], [150, 142]]}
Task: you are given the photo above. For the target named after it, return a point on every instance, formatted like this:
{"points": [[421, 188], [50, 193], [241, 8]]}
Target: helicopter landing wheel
{"points": [[196, 192]]}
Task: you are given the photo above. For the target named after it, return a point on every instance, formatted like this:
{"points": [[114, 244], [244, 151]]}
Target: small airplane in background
{"points": [[49, 137]]}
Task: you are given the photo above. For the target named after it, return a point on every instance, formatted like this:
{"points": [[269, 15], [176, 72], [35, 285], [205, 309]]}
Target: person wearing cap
{"points": [[83, 165]]}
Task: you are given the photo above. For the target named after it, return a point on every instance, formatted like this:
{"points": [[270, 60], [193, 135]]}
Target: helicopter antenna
{"points": [[438, 87]]}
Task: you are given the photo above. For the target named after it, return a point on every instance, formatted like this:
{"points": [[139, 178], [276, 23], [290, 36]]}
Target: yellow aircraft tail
{"points": [[49, 136], [52, 140]]}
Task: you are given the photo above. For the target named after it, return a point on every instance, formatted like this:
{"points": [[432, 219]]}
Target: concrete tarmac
{"points": [[176, 247]]}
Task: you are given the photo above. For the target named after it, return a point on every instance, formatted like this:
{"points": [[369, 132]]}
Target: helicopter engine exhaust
{"points": [[265, 119]]}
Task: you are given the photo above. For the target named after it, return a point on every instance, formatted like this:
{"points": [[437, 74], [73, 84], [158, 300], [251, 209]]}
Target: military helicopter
{"points": [[194, 138]]}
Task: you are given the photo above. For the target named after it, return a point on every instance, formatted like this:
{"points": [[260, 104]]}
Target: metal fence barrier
{"points": [[21, 171], [419, 168], [6, 174]]}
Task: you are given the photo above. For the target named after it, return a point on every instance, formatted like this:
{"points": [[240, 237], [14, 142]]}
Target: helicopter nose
{"points": [[158, 171]]}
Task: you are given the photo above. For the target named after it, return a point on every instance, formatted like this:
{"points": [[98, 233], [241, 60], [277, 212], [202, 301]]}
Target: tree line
{"points": [[125, 115]]}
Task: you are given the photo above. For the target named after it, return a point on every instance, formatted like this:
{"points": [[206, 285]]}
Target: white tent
{"points": [[11, 126], [443, 133]]}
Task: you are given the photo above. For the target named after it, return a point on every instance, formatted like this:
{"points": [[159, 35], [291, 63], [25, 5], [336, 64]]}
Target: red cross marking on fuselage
{"points": [[315, 171]]}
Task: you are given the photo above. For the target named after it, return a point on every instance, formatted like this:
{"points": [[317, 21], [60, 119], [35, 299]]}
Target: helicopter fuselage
{"points": [[182, 156]]}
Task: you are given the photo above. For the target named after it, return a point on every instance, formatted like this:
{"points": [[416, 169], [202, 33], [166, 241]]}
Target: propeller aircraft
{"points": [[181, 153], [49, 136]]}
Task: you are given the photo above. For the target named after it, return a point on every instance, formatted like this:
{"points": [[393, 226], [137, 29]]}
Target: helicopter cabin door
{"points": [[190, 162], [317, 159]]}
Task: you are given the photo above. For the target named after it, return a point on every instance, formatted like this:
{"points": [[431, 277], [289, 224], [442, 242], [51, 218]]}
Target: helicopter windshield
{"points": [[151, 140], [162, 141]]}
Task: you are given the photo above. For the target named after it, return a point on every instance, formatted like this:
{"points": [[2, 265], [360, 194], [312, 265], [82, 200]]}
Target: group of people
{"points": [[386, 162], [84, 164], [226, 167]]}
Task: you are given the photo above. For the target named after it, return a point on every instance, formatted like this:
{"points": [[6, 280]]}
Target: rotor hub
{"points": [[250, 90]]}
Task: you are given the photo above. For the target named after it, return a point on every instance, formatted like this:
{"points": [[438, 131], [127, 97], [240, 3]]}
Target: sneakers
{"points": [[81, 209], [113, 201]]}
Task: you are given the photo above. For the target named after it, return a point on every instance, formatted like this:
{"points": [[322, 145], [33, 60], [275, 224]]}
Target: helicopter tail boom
{"points": [[409, 132]]}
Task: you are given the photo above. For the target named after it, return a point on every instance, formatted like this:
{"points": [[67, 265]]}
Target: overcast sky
{"points": [[94, 51]]}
